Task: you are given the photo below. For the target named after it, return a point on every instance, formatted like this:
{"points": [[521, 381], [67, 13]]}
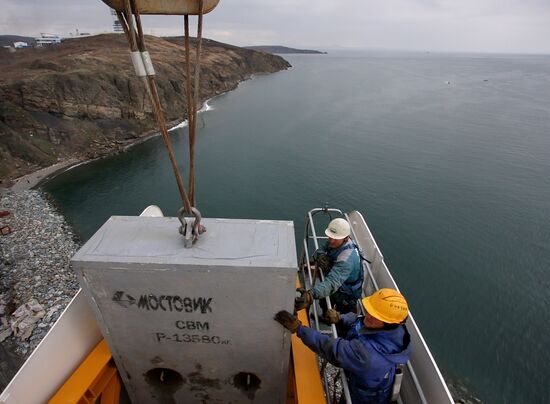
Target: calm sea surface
{"points": [[453, 179]]}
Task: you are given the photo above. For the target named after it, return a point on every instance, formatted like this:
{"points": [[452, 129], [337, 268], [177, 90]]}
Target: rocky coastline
{"points": [[37, 282], [81, 100]]}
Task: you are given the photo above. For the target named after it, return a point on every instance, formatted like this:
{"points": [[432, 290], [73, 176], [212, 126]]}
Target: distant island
{"points": [[283, 49]]}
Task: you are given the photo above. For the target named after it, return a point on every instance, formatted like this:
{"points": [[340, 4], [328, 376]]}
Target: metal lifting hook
{"points": [[191, 227]]}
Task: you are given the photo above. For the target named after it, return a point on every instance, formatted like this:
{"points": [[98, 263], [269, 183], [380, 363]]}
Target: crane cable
{"points": [[144, 70], [194, 99]]}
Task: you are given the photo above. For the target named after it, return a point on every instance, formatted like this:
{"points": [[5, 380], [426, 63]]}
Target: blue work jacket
{"points": [[369, 357], [345, 275]]}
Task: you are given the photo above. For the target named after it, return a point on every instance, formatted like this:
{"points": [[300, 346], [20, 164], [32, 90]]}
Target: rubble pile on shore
{"points": [[36, 283]]}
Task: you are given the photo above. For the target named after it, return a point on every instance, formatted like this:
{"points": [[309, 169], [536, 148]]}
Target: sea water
{"points": [[446, 155]]}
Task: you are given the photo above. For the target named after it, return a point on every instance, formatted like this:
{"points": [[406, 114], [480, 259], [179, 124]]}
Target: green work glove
{"points": [[323, 263], [332, 316], [288, 321], [305, 299]]}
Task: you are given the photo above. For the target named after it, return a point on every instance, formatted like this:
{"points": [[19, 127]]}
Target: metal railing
{"points": [[377, 259], [373, 267], [309, 280]]}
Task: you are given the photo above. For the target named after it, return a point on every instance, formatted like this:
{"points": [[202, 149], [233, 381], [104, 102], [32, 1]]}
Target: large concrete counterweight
{"points": [[193, 325]]}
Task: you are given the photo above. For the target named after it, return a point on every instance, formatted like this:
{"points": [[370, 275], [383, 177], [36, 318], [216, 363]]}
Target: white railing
{"points": [[422, 380]]}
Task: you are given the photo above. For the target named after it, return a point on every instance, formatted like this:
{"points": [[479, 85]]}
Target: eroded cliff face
{"points": [[82, 98]]}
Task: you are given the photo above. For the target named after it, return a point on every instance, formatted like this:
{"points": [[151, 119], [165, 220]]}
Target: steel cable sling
{"points": [[193, 100], [144, 69]]}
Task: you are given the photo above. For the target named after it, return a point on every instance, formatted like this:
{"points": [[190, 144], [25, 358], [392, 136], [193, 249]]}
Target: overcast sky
{"points": [[515, 26]]}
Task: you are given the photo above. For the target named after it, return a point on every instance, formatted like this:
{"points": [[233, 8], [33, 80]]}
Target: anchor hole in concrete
{"points": [[247, 382], [163, 377]]}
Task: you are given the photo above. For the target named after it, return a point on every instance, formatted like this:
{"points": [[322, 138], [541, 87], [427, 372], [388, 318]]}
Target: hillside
{"points": [[8, 40], [81, 99], [283, 49]]}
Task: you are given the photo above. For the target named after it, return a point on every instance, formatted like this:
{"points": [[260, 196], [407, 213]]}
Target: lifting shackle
{"points": [[191, 226]]}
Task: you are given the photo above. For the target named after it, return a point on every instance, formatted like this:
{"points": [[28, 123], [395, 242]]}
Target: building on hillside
{"points": [[48, 39], [78, 34], [18, 45]]}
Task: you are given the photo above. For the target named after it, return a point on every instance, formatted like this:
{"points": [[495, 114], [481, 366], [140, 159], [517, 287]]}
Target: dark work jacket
{"points": [[369, 357]]}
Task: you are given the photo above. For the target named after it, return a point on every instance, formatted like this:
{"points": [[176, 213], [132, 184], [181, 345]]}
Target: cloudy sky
{"points": [[515, 26]]}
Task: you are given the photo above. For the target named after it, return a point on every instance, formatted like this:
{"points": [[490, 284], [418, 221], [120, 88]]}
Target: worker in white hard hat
{"points": [[339, 258]]}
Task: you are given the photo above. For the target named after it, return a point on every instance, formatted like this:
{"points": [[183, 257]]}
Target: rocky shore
{"points": [[36, 283]]}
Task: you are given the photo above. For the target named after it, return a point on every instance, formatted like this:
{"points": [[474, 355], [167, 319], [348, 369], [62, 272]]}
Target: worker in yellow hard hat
{"points": [[374, 346], [339, 259]]}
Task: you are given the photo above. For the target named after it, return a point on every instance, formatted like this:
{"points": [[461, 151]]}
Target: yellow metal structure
{"points": [[308, 386], [167, 7], [96, 378]]}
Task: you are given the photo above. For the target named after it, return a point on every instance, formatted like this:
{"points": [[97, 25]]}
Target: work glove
{"points": [[323, 263], [332, 316], [305, 299], [288, 321]]}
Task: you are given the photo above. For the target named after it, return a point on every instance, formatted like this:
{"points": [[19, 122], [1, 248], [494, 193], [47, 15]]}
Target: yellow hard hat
{"points": [[387, 305]]}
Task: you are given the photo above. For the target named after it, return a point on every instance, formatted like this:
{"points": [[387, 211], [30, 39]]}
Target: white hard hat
{"points": [[338, 229]]}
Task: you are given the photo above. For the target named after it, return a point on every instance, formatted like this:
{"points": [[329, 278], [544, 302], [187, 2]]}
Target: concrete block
{"points": [[193, 325]]}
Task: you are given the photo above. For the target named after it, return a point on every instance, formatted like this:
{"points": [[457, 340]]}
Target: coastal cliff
{"points": [[81, 99]]}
